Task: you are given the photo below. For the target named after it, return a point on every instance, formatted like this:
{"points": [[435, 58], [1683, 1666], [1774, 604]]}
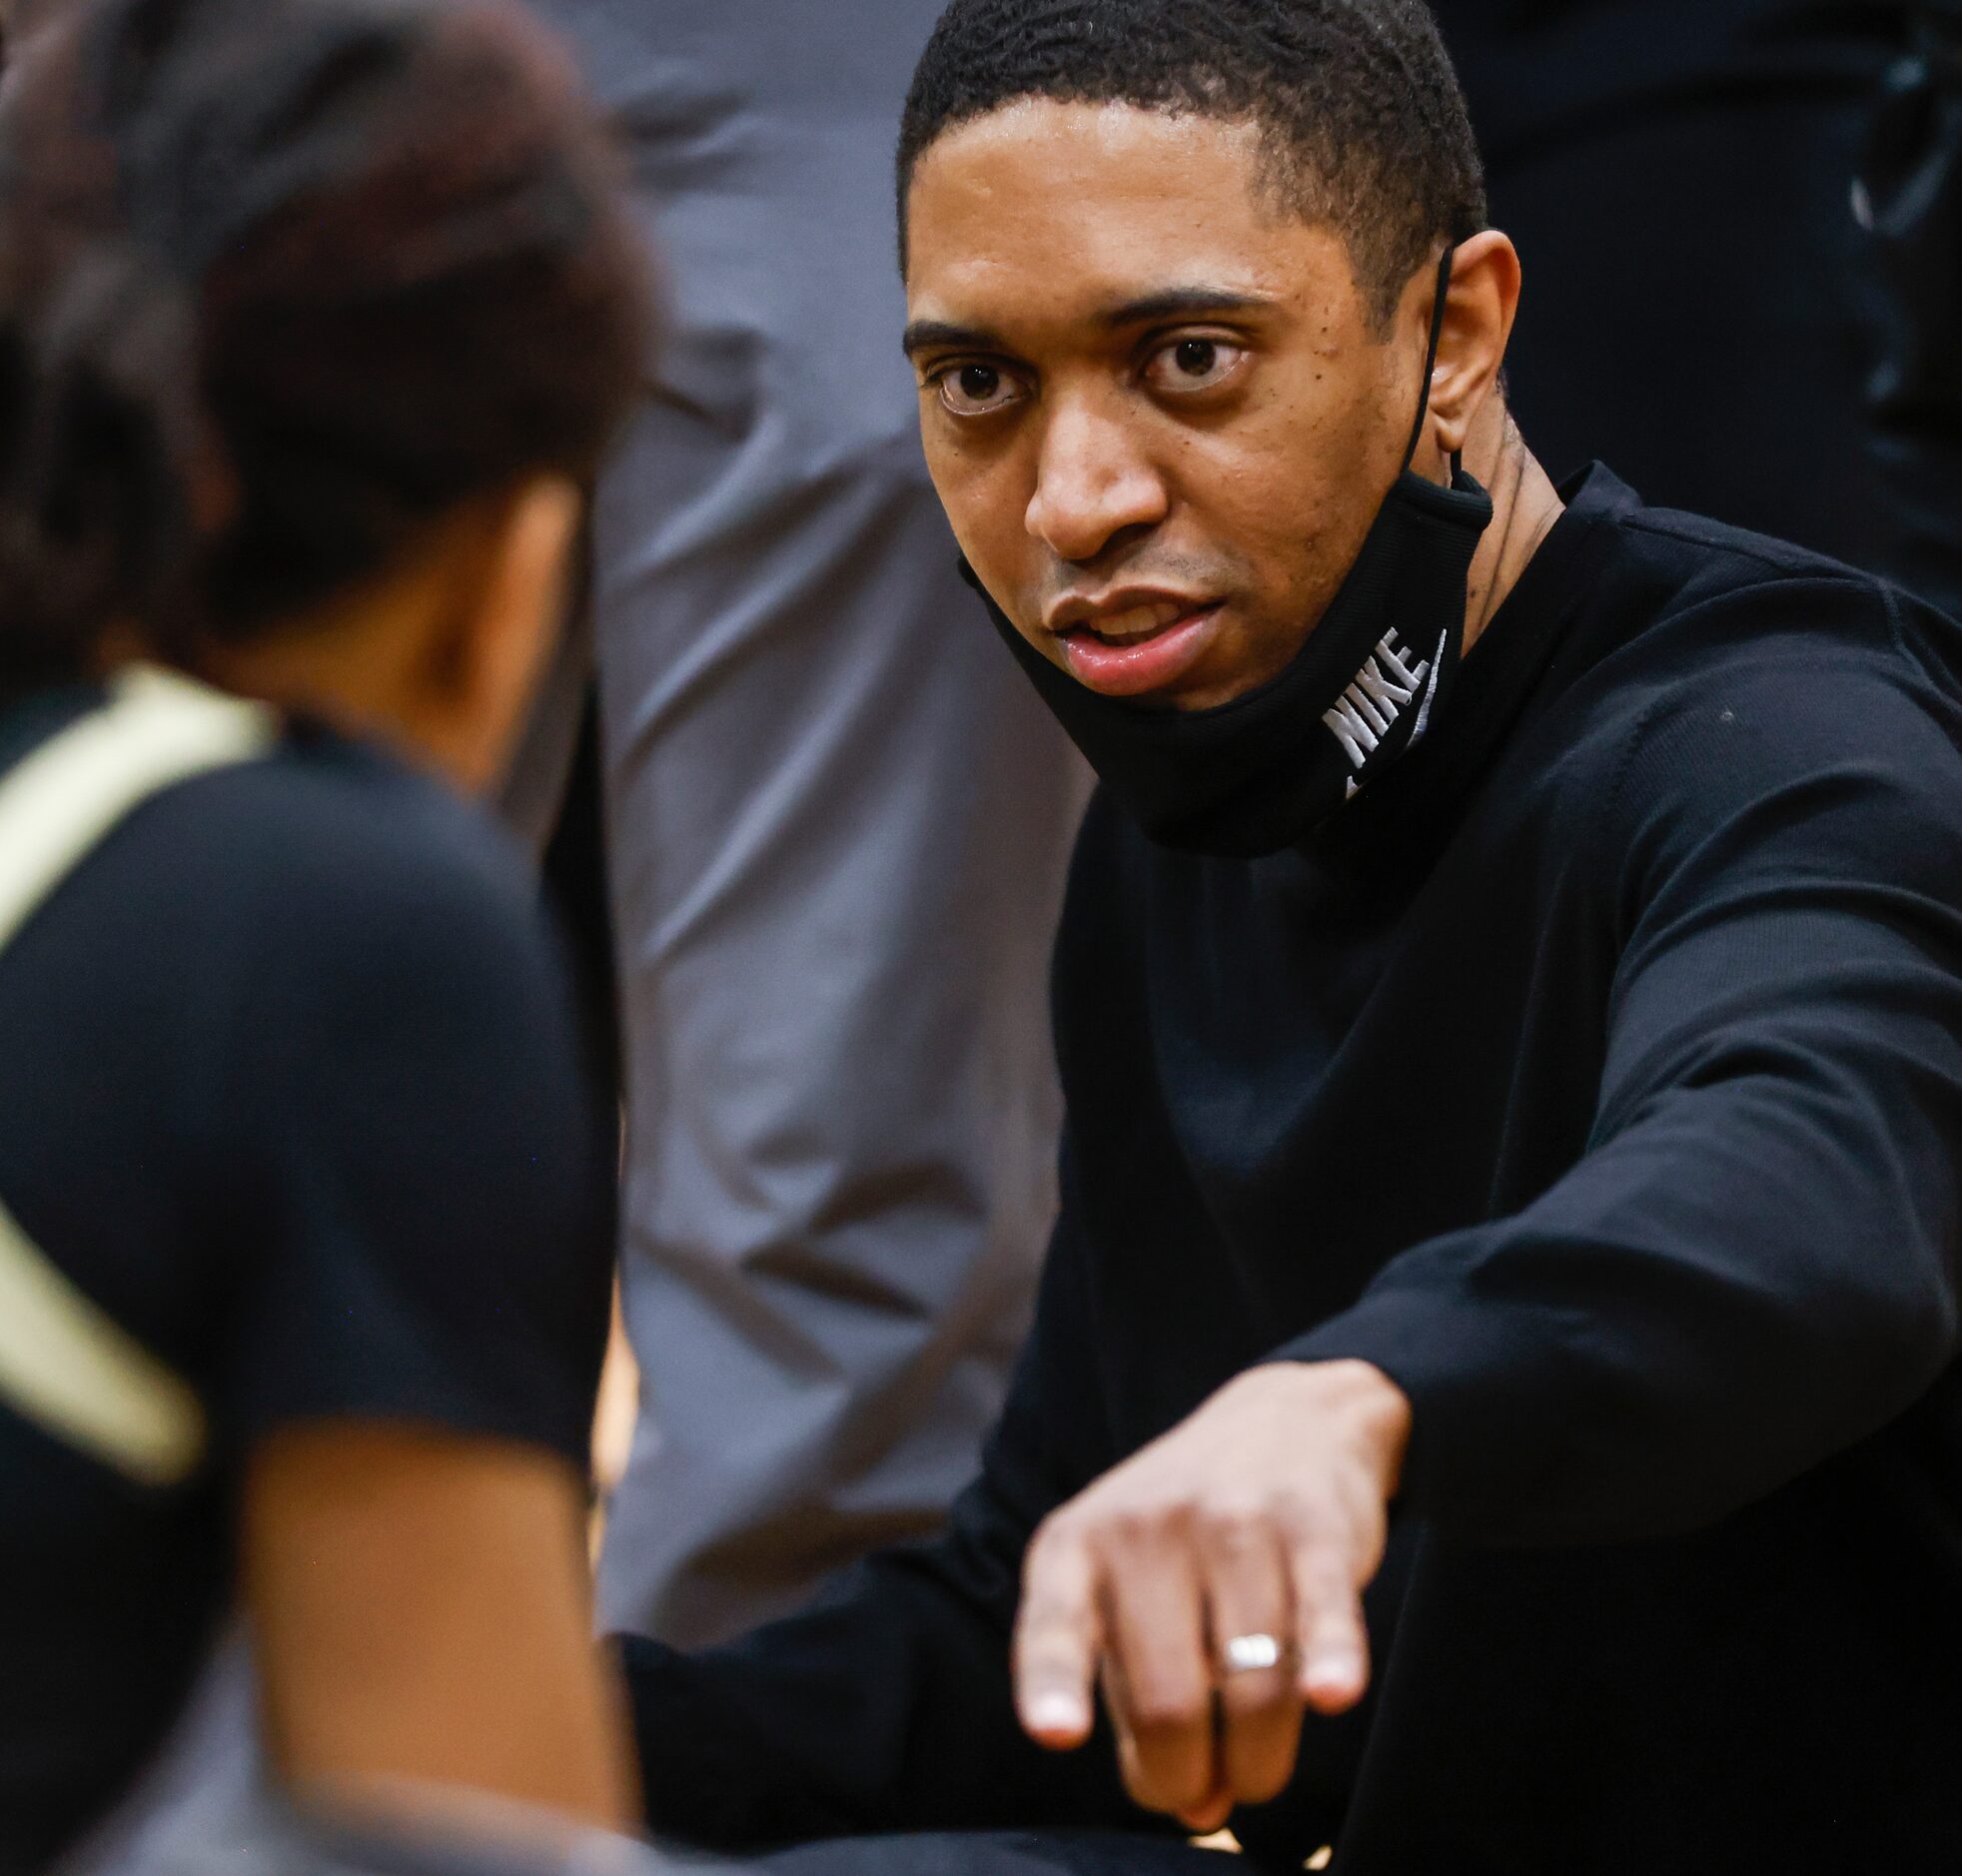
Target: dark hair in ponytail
{"points": [[283, 281]]}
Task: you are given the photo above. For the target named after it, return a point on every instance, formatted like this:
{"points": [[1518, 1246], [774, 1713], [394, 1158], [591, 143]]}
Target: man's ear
{"points": [[484, 654], [1478, 316]]}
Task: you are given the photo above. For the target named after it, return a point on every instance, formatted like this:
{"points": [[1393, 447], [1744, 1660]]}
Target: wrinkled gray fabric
{"points": [[838, 830]]}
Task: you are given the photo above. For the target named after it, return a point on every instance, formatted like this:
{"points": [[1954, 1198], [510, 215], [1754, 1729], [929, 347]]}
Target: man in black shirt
{"points": [[1492, 1403]]}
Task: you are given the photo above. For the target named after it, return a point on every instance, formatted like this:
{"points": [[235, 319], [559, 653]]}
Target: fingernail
{"points": [[1333, 1674], [1054, 1713]]}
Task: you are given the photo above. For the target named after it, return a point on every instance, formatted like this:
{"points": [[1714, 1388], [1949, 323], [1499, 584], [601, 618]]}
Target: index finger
{"points": [[1058, 1637]]}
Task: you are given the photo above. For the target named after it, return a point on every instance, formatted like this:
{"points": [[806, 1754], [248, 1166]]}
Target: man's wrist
{"points": [[1369, 1411]]}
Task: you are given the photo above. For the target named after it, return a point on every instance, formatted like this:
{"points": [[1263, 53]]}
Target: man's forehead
{"points": [[1075, 212], [1039, 165]]}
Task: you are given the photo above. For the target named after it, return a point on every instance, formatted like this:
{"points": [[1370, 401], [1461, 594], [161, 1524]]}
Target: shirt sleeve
{"points": [[887, 1706], [1753, 1267], [420, 1209]]}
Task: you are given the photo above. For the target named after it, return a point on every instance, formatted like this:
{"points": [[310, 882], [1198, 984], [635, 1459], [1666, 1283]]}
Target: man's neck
{"points": [[1525, 503]]}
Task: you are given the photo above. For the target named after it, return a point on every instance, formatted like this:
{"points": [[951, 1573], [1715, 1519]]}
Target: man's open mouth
{"points": [[1147, 647], [1137, 623]]}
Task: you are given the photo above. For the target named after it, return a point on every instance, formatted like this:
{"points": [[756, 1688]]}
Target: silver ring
{"points": [[1250, 1655]]}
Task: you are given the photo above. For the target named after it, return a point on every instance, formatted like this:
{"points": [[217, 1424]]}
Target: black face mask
{"points": [[1258, 773]]}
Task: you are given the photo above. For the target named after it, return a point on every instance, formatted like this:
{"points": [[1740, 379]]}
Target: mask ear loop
{"points": [[1431, 365]]}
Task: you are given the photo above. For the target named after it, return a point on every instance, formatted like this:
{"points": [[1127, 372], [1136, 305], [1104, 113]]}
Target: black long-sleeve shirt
{"points": [[1597, 1074]]}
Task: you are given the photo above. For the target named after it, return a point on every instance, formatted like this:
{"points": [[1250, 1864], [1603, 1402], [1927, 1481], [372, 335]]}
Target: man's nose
{"points": [[1092, 484]]}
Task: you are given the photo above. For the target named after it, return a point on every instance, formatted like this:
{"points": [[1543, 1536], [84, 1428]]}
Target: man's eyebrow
{"points": [[1168, 302], [1183, 303], [924, 334]]}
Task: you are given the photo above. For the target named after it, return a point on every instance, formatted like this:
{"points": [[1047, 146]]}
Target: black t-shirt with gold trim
{"points": [[288, 1091]]}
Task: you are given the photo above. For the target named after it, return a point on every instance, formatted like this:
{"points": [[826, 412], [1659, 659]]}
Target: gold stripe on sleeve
{"points": [[64, 1363], [68, 1367]]}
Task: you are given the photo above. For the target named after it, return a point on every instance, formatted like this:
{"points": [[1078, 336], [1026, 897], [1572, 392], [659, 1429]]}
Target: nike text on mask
{"points": [[1258, 773]]}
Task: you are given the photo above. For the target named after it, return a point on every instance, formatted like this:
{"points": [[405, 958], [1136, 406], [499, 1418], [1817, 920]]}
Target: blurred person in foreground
{"points": [[1492, 1404], [313, 317], [837, 829], [314, 313]]}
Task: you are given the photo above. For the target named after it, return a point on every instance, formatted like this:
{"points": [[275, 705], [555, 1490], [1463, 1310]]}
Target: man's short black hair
{"points": [[1359, 112]]}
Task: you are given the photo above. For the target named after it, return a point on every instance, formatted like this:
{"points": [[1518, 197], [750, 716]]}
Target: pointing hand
{"points": [[1212, 1584]]}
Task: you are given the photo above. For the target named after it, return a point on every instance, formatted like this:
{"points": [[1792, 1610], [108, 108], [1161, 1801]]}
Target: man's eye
{"points": [[977, 389], [1192, 365]]}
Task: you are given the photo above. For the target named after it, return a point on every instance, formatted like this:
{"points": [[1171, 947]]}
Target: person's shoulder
{"points": [[1751, 678], [1711, 558], [326, 886], [332, 844], [324, 806], [1691, 617]]}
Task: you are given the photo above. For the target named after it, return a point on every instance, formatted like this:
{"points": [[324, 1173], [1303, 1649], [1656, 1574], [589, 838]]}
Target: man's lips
{"points": [[1140, 650]]}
